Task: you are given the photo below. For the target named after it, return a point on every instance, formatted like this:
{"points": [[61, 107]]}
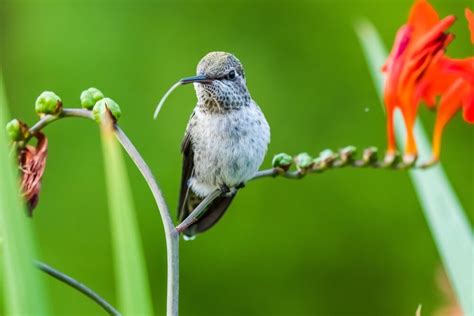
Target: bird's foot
{"points": [[226, 191], [240, 186]]}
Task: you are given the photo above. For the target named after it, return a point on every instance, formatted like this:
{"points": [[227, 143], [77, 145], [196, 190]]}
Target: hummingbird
{"points": [[225, 140]]}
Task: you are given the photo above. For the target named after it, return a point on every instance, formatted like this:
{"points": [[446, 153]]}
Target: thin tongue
{"points": [[163, 99]]}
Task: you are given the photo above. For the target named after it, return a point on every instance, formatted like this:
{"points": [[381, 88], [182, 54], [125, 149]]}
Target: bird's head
{"points": [[220, 82]]}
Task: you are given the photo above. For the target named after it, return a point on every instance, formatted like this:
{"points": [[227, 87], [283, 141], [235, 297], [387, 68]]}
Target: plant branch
{"points": [[327, 161], [68, 112], [78, 286], [198, 211], [338, 162], [171, 234]]}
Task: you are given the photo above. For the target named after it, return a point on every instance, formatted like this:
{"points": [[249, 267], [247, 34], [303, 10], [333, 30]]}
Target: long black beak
{"points": [[200, 79]]}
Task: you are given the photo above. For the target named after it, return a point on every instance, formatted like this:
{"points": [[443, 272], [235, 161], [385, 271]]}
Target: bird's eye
{"points": [[231, 75]]}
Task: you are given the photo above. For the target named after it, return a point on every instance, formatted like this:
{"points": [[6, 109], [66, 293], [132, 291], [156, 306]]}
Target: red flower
{"points": [[417, 70]]}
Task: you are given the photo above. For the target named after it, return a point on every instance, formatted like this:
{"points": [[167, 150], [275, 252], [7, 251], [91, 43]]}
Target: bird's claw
{"points": [[226, 191], [240, 186]]}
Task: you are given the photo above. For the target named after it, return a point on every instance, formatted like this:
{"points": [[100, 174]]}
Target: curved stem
{"points": [[45, 120], [78, 286], [171, 234]]}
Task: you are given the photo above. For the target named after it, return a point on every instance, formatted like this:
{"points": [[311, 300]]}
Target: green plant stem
{"points": [[78, 286], [294, 175], [198, 211], [68, 112], [299, 174], [171, 234]]}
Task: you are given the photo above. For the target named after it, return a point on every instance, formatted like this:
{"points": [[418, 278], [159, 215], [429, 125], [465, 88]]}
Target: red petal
{"points": [[450, 103], [422, 17], [470, 22], [468, 106]]}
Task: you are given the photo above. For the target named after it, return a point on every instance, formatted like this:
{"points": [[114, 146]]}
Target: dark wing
{"points": [[186, 174], [188, 201]]}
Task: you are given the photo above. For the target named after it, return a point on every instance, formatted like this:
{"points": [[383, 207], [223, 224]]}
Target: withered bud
{"points": [[32, 162]]}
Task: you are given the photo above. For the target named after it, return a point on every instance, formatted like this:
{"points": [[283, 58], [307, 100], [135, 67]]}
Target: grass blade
{"points": [[446, 218], [130, 270], [23, 289]]}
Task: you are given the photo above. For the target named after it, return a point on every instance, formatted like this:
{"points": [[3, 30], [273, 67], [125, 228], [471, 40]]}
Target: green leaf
{"points": [[24, 292], [446, 218], [130, 270]]}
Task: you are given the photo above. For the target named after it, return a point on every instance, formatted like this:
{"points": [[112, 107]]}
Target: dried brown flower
{"points": [[32, 162]]}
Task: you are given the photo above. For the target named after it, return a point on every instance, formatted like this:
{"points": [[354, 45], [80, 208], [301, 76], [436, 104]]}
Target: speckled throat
{"points": [[214, 100]]}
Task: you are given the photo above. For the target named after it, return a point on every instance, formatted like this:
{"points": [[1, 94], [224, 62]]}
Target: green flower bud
{"points": [[101, 107], [391, 159], [409, 160], [282, 160], [90, 97], [347, 154], [327, 156], [318, 164], [370, 155], [48, 103], [16, 130], [303, 161]]}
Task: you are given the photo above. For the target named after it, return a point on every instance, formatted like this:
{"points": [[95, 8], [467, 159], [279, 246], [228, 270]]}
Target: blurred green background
{"points": [[347, 242]]}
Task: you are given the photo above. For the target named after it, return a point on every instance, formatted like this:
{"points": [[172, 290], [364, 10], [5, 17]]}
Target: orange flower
{"points": [[417, 70], [32, 161]]}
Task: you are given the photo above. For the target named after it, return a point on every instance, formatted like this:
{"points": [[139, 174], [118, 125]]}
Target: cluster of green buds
{"points": [[93, 99], [49, 103], [326, 159]]}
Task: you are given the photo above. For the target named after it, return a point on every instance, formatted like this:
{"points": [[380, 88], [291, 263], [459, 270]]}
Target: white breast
{"points": [[228, 147]]}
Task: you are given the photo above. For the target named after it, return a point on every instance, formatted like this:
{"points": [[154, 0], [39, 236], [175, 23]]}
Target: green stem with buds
{"points": [[306, 165], [172, 235]]}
